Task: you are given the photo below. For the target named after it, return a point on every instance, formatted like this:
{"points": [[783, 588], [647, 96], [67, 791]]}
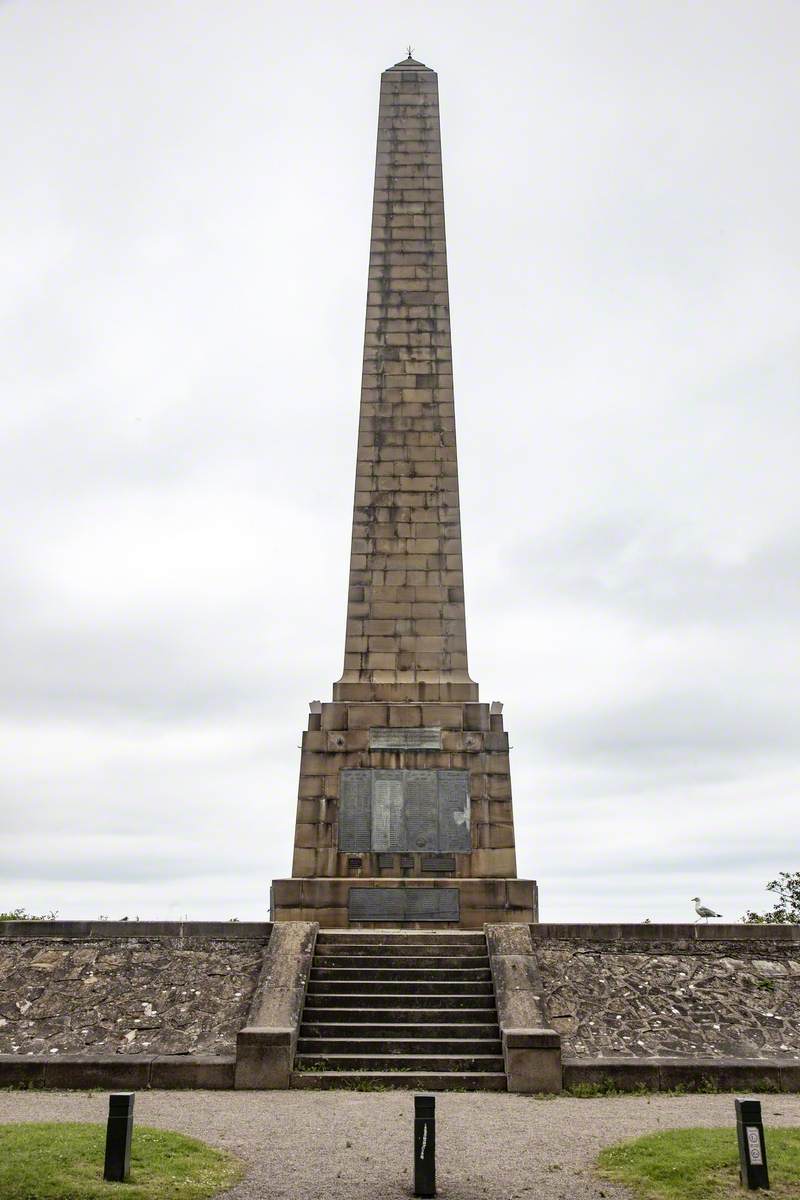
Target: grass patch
{"points": [[699, 1164], [65, 1162]]}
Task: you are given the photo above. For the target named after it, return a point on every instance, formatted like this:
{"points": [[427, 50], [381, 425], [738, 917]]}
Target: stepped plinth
{"points": [[404, 814]]}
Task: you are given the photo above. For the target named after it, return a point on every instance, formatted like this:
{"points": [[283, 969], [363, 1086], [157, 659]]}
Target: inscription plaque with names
{"points": [[453, 811], [429, 738], [387, 812], [421, 811], [355, 814], [404, 811], [403, 904]]}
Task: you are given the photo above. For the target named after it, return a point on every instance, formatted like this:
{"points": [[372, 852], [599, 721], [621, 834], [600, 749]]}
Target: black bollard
{"points": [[118, 1137], [752, 1147], [424, 1145]]}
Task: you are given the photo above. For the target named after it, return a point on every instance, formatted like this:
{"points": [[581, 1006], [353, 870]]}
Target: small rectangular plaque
{"points": [[754, 1145], [429, 738], [403, 904], [438, 862]]}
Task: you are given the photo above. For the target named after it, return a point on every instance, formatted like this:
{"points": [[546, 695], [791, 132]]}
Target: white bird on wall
{"points": [[703, 911]]}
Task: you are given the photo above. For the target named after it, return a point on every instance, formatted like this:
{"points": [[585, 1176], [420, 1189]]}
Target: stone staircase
{"points": [[404, 1010]]}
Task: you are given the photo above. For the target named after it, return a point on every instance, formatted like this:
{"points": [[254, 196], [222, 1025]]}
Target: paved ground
{"points": [[357, 1146]]}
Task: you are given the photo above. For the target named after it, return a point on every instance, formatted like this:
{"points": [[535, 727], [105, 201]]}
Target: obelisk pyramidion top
{"points": [[406, 633], [409, 64]]}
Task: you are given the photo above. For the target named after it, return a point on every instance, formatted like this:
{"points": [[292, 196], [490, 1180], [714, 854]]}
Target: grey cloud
{"points": [[119, 866], [619, 564], [185, 264], [676, 725], [140, 673], [697, 862]]}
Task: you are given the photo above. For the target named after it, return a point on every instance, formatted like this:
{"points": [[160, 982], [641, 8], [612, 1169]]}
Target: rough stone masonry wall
{"points": [[126, 995], [678, 998]]}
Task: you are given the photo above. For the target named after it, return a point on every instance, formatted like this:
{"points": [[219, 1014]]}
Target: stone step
{"points": [[371, 1029], [400, 1009], [400, 1016], [399, 950], [399, 1062], [417, 1081], [391, 986], [393, 1046], [406, 974], [377, 937], [325, 998], [403, 961]]}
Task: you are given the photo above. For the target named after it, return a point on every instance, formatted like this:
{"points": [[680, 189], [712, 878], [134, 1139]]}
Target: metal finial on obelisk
{"points": [[410, 50]]}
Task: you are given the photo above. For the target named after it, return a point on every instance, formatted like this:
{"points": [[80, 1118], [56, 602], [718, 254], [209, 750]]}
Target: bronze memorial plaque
{"points": [[355, 809], [403, 904], [387, 811], [421, 811], [399, 811], [454, 832]]}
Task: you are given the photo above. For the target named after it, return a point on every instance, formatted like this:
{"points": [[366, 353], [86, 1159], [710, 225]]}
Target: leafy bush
{"points": [[19, 914], [787, 911]]}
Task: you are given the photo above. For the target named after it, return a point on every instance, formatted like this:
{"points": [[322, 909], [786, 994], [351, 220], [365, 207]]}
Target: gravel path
{"points": [[307, 1145]]}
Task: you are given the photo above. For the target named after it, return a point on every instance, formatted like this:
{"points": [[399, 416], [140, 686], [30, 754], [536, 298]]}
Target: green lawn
{"points": [[700, 1164], [65, 1162]]}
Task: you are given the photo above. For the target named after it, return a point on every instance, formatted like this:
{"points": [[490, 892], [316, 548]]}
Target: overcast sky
{"points": [[184, 233]]}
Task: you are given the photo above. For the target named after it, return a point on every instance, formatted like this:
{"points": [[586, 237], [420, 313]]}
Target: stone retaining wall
{"points": [[672, 992], [152, 1004], [146, 988]]}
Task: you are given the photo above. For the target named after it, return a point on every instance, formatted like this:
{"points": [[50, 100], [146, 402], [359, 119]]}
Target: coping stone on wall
{"points": [[137, 1072], [666, 933], [226, 931], [192, 1071], [687, 1074], [19, 1071]]}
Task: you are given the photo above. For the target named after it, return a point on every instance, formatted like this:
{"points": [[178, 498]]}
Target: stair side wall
{"points": [[266, 1046], [531, 1047]]}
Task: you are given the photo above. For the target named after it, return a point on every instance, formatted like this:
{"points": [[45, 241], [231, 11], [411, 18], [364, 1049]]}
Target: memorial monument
{"points": [[404, 811]]}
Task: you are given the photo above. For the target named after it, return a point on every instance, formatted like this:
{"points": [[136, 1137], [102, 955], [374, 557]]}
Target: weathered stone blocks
{"points": [[531, 1047], [266, 1046]]}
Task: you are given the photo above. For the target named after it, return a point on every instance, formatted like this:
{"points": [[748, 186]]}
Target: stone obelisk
{"points": [[404, 814]]}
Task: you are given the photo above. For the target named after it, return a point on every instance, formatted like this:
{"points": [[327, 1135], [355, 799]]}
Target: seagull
{"points": [[703, 911]]}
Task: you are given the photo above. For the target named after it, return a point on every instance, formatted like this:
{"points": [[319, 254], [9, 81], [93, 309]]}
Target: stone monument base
{"points": [[385, 903]]}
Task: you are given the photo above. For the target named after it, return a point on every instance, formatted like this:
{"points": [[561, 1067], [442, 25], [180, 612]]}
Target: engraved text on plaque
{"points": [[388, 811]]}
